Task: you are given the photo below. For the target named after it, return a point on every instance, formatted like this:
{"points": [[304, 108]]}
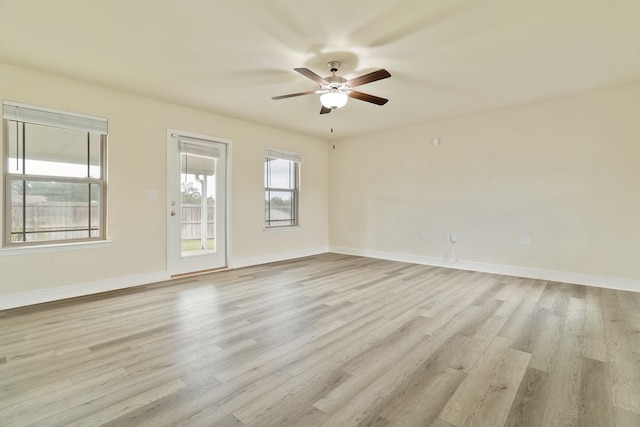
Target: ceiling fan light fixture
{"points": [[336, 90], [334, 98]]}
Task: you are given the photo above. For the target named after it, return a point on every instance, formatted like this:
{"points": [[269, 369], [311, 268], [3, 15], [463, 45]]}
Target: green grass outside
{"points": [[194, 245]]}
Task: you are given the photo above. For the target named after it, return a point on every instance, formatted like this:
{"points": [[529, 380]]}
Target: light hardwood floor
{"points": [[327, 340]]}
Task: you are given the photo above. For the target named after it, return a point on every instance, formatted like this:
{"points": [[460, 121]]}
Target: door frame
{"points": [[227, 210]]}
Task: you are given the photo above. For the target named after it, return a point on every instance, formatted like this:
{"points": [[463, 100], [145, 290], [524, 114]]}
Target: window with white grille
{"points": [[281, 183], [54, 176]]}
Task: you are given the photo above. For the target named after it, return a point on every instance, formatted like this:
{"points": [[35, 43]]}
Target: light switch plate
{"points": [[525, 240]]}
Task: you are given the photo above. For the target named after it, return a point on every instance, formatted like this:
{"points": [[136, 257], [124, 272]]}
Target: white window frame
{"points": [[24, 114], [296, 159]]}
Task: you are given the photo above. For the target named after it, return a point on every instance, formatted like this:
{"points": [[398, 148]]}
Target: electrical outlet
{"points": [[422, 235], [454, 237], [525, 240], [447, 237]]}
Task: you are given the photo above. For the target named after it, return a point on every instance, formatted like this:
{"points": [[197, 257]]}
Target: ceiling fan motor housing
{"points": [[335, 83]]}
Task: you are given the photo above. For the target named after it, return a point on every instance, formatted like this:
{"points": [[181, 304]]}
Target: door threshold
{"points": [[198, 273]]}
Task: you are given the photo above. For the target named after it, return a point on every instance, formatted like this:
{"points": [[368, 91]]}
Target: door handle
{"points": [[173, 213]]}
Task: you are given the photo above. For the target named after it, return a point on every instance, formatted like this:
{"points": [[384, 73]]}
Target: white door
{"points": [[197, 192]]}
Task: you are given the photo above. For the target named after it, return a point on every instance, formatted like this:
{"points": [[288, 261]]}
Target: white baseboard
{"points": [[508, 270], [275, 257], [47, 295]]}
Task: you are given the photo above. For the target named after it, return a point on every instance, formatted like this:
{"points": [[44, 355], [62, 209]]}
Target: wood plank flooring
{"points": [[329, 340]]}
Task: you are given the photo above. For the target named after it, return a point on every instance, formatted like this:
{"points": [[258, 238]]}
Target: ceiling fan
{"points": [[335, 90]]}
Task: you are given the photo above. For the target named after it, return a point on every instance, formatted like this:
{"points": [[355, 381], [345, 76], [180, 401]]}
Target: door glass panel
{"points": [[198, 198]]}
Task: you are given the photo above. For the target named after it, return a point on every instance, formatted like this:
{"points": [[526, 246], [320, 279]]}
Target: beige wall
{"points": [[137, 163], [565, 171]]}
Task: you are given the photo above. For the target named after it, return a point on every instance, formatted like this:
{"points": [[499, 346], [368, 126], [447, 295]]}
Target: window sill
{"points": [[285, 228], [26, 250]]}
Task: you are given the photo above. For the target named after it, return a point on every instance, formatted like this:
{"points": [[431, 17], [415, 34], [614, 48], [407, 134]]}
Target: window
{"points": [[281, 170], [54, 176]]}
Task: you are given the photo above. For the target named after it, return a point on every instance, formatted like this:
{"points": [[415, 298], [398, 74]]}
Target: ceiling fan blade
{"points": [[291, 95], [368, 98], [368, 78], [313, 76], [325, 110]]}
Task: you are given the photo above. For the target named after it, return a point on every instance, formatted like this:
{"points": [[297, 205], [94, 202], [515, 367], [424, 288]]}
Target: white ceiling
{"points": [[446, 57]]}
